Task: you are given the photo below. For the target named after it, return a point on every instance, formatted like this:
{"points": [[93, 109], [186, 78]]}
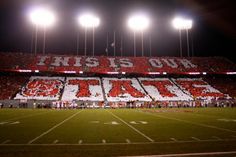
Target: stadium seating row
{"points": [[9, 85], [105, 65], [118, 89], [224, 84]]}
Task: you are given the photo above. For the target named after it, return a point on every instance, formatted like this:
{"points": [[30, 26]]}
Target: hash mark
{"points": [[7, 141], [197, 139], [127, 140], [173, 139], [56, 141]]}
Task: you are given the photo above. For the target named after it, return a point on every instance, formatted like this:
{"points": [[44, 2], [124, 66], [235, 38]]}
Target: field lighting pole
{"points": [[36, 39], [134, 44], [142, 43], [77, 43], [182, 24], [188, 26], [121, 45], [85, 41], [114, 42], [107, 51], [180, 43], [138, 23], [150, 46], [44, 18], [93, 40], [44, 39], [192, 46], [89, 21], [188, 42]]}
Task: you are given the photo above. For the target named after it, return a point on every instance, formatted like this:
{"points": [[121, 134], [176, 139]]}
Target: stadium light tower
{"points": [[182, 24], [41, 17], [138, 23], [89, 21]]}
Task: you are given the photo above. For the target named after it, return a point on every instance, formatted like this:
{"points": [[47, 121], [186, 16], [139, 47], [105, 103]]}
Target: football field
{"points": [[118, 132]]}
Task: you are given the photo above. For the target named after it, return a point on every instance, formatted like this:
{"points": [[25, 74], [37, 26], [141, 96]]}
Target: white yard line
{"points": [[190, 154], [54, 127], [139, 132], [185, 121]]}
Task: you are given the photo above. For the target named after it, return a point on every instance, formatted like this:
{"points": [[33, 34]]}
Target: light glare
{"points": [[42, 17], [138, 22], [89, 20], [181, 23]]}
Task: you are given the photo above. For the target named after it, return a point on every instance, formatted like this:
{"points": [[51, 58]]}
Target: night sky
{"points": [[213, 33]]}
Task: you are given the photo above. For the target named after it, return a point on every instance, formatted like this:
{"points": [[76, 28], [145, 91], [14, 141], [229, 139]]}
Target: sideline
{"points": [[188, 154]]}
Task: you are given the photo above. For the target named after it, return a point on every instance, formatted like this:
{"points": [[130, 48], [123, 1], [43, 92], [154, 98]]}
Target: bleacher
{"points": [[118, 89], [19, 62], [9, 85], [117, 80]]}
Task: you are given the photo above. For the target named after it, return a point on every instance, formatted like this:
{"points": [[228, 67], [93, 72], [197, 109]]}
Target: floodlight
{"points": [[42, 17], [138, 22], [89, 20], [181, 23]]}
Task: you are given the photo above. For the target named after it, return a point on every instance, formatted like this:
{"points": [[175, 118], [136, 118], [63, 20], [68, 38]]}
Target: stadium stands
{"points": [[224, 84], [119, 80], [198, 88], [163, 89], [42, 88], [9, 85], [118, 90], [83, 89], [103, 65]]}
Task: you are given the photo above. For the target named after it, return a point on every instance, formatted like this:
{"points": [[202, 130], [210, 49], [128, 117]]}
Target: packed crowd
{"points": [[224, 84], [118, 89], [93, 92], [103, 64], [77, 92], [14, 61], [10, 85]]}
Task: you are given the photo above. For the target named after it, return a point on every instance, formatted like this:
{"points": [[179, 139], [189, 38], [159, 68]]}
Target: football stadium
{"points": [[126, 100]]}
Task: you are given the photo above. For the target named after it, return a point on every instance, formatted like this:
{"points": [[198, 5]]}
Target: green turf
{"points": [[108, 132]]}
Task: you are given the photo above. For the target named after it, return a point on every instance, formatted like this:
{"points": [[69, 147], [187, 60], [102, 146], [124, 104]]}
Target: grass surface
{"points": [[107, 132]]}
